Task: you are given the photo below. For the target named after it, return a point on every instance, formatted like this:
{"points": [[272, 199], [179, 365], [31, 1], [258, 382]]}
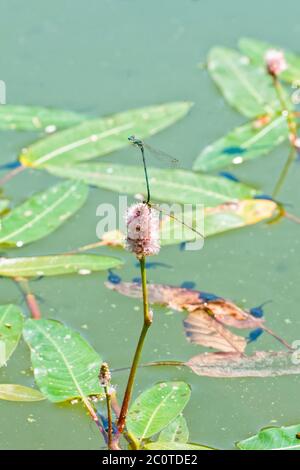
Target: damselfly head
{"points": [[135, 141]]}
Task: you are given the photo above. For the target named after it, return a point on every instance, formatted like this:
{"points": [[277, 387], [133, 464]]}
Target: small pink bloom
{"points": [[275, 62], [142, 230]]}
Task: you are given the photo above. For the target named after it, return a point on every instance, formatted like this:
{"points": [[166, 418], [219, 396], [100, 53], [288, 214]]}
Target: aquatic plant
{"points": [[66, 367]]}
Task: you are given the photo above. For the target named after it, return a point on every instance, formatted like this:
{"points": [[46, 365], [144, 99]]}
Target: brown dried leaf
{"points": [[260, 364], [230, 314], [173, 297], [179, 299], [202, 328]]}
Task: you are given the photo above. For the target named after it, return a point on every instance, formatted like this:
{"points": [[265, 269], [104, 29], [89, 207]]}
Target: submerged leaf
{"points": [[247, 88], [56, 265], [42, 213], [170, 185], [273, 438], [160, 445], [98, 137], [11, 325], [256, 51], [32, 118], [202, 328], [13, 392], [244, 143], [191, 300], [155, 408], [176, 431], [65, 366], [173, 297], [260, 364]]}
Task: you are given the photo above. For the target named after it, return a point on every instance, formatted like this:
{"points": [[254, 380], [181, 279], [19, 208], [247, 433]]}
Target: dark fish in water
{"points": [[154, 265], [182, 246], [104, 421], [10, 165], [254, 335], [207, 296], [113, 278], [258, 312], [234, 150], [229, 176], [263, 196], [188, 285]]}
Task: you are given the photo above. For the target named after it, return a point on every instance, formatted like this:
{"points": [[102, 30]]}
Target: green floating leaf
{"points": [[101, 136], [155, 408], [217, 220], [56, 265], [11, 325], [244, 143], [32, 118], [176, 431], [247, 88], [13, 392], [42, 213], [65, 366], [256, 51], [273, 438], [238, 214], [4, 205], [159, 445], [170, 185]]}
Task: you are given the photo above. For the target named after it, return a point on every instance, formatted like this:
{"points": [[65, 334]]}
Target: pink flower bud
{"points": [[275, 62], [142, 230]]}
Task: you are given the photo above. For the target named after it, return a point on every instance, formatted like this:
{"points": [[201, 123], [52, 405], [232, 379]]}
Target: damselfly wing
{"points": [[187, 230]]}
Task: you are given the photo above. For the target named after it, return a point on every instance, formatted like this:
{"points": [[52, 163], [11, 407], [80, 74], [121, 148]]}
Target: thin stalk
{"points": [[292, 126], [109, 417], [30, 298], [292, 217], [90, 246], [281, 340], [289, 115], [146, 325], [284, 172], [12, 174]]}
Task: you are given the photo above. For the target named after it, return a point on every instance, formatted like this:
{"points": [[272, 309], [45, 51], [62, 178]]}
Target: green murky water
{"points": [[103, 57]]}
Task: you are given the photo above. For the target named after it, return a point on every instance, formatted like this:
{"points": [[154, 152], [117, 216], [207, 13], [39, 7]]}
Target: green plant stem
{"points": [[292, 126], [285, 109], [109, 417], [12, 174], [146, 325], [284, 172]]}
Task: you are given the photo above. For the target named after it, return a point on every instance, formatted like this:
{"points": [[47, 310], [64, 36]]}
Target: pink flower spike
{"points": [[275, 62], [142, 230]]}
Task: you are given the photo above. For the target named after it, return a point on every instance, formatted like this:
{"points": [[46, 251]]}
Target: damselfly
{"points": [[141, 145]]}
